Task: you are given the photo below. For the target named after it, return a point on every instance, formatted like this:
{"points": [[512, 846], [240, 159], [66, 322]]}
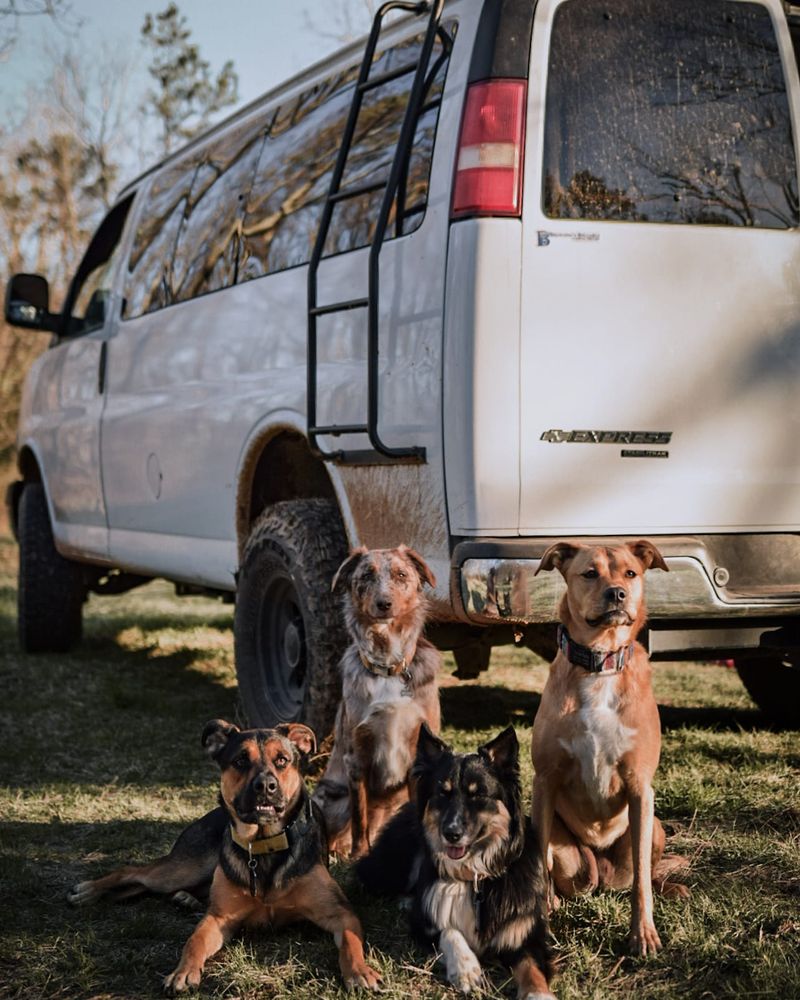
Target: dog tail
{"points": [[392, 866]]}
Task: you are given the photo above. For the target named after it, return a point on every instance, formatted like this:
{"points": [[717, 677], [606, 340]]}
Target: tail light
{"points": [[488, 179]]}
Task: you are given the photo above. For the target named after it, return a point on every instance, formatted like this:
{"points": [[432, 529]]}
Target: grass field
{"points": [[101, 764]]}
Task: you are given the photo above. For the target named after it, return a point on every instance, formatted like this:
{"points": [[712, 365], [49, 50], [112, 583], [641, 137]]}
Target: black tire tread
{"points": [[51, 588], [308, 537]]}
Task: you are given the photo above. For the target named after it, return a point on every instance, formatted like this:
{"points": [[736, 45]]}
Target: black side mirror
{"points": [[28, 301]]}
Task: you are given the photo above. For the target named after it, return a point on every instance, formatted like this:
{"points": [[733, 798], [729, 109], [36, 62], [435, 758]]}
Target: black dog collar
{"points": [[594, 660]]}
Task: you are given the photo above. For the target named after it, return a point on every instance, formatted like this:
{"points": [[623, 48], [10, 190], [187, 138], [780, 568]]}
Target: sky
{"points": [[268, 40]]}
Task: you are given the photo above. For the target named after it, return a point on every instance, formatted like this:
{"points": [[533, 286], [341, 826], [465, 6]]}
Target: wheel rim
{"points": [[282, 649]]}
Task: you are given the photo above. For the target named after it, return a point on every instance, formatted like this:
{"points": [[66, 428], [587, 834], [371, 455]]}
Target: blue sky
{"points": [[268, 40]]}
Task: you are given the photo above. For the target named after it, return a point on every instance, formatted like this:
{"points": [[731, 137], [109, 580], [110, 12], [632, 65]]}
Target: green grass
{"points": [[101, 764]]}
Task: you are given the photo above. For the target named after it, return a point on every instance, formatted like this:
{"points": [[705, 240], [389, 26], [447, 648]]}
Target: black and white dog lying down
{"points": [[467, 853]]}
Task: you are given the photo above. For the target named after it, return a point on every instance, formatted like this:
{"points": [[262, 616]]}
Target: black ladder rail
{"points": [[382, 452]]}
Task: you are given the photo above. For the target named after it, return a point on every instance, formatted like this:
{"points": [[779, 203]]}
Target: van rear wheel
{"points": [[51, 589], [774, 685], [288, 630]]}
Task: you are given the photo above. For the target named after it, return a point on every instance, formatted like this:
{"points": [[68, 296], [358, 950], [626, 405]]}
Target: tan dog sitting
{"points": [[389, 688], [597, 736]]}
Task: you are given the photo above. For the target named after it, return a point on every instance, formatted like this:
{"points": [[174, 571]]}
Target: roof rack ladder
{"points": [[379, 453]]}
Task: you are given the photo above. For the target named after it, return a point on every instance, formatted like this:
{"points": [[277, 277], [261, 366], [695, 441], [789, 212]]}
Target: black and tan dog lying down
{"points": [[466, 852], [260, 857]]}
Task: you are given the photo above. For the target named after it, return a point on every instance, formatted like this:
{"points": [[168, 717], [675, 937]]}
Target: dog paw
{"points": [[187, 901], [675, 890], [644, 940], [467, 975], [538, 996], [181, 980], [364, 977], [82, 894]]}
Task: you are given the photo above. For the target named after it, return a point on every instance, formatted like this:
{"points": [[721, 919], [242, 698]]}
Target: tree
{"points": [[12, 12], [58, 172], [186, 96]]}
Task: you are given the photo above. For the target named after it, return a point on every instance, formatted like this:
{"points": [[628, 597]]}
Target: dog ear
{"points": [[558, 556], [343, 575], [302, 737], [503, 750], [429, 748], [648, 554], [216, 735], [419, 564]]}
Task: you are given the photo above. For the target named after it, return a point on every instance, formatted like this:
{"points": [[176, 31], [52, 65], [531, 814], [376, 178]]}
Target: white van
{"points": [[545, 285]]}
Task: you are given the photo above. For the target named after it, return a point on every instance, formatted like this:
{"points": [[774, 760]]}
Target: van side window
{"points": [[292, 178], [148, 280], [668, 112], [206, 253], [299, 155], [87, 303]]}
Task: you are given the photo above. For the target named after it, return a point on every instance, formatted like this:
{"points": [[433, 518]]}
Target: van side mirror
{"points": [[28, 303]]}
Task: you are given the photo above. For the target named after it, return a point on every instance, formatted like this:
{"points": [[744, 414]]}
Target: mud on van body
{"points": [[544, 285]]}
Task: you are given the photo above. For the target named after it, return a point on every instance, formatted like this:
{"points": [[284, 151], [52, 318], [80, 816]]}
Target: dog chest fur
{"points": [[450, 905], [598, 739]]}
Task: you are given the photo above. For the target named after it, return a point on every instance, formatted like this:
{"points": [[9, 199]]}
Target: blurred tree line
{"points": [[63, 163]]}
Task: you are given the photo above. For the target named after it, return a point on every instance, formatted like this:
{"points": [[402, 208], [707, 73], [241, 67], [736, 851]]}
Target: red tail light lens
{"points": [[488, 178]]}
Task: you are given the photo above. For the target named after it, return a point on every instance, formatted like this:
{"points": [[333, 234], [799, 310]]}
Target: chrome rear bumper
{"points": [[505, 588]]}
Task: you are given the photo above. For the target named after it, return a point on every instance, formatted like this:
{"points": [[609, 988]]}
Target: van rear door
{"points": [[660, 347]]}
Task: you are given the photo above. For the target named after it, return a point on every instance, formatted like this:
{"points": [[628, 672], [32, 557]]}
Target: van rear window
{"points": [[668, 112]]}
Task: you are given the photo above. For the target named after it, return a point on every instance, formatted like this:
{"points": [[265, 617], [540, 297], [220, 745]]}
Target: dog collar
{"points": [[382, 671], [263, 845], [593, 660]]}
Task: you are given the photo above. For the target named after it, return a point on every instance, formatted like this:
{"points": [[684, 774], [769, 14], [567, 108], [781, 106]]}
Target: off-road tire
{"points": [[774, 686], [51, 588], [288, 628]]}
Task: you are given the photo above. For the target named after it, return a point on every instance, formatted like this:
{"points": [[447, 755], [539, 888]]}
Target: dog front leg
{"points": [[209, 936], [359, 816], [644, 939], [319, 899], [462, 967], [542, 810], [531, 981]]}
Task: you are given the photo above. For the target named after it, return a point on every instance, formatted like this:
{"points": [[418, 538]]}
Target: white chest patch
{"points": [[600, 738], [451, 906]]}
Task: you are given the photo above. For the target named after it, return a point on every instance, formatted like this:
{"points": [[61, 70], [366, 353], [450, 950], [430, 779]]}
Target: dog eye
{"points": [[242, 763], [281, 761], [402, 575], [590, 574], [630, 573]]}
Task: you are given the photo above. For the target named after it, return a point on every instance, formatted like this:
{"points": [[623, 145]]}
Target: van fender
{"points": [[264, 431]]}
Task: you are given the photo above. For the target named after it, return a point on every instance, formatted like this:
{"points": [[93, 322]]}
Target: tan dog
{"points": [[389, 689], [597, 736]]}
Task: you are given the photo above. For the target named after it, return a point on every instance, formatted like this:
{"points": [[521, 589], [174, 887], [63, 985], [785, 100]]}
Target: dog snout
{"points": [[616, 595], [383, 604], [453, 830], [265, 783]]}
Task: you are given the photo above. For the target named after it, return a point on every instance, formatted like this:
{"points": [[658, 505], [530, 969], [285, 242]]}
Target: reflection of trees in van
{"points": [[291, 183], [679, 108], [587, 197], [249, 202]]}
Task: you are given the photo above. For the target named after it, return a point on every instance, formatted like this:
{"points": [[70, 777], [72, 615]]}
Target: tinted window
{"points": [[206, 254], [668, 112], [291, 181], [147, 285], [299, 155], [87, 303]]}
